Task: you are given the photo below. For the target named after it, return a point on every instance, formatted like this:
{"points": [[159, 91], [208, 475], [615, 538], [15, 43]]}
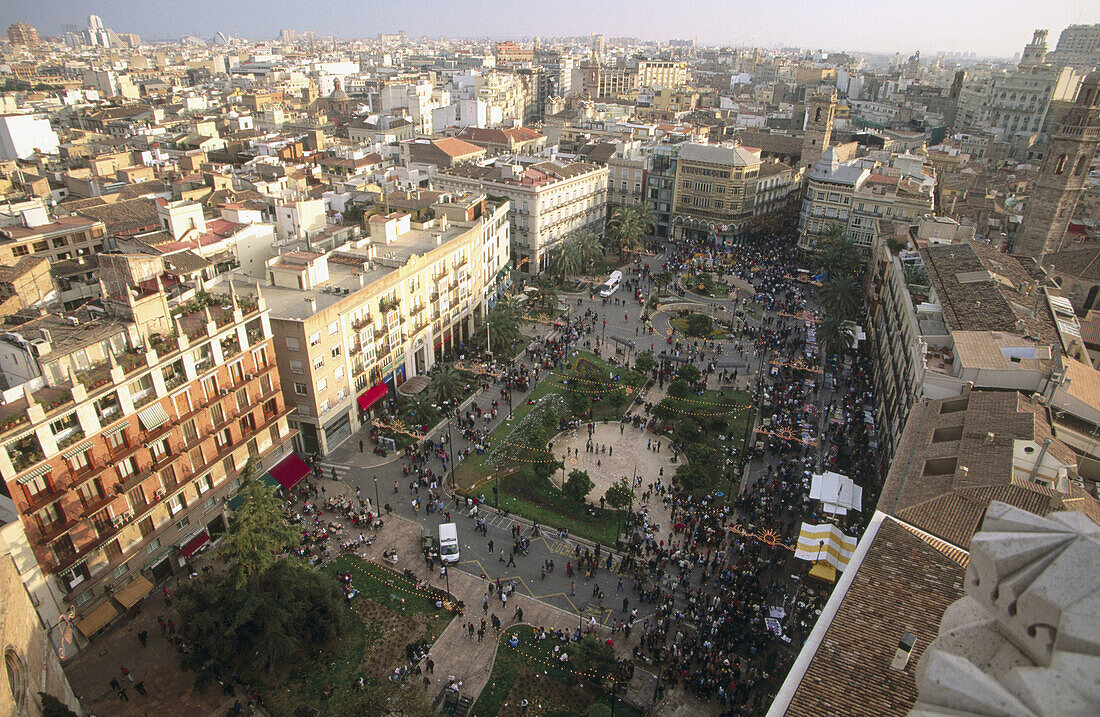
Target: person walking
{"points": [[143, 637], [122, 694], [139, 687], [490, 547]]}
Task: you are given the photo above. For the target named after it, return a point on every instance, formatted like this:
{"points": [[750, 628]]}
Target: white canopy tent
{"points": [[837, 492]]}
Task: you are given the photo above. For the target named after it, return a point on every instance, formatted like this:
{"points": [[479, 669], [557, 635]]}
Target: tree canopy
{"points": [[578, 486]]}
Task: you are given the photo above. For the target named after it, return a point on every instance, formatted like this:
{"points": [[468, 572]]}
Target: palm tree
{"points": [[547, 294], [588, 248], [446, 384], [629, 227], [835, 335], [420, 410], [509, 305], [503, 324], [840, 296], [837, 253], [565, 260]]}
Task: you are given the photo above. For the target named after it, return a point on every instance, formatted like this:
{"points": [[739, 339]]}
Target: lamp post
{"points": [[377, 502], [451, 447]]}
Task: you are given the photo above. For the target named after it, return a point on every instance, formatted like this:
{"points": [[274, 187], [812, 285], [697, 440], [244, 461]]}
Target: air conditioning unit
{"points": [[224, 391], [249, 376], [118, 520], [128, 515], [158, 493]]}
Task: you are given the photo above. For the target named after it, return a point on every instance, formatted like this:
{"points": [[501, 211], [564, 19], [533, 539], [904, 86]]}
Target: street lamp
{"points": [[451, 447], [377, 501]]}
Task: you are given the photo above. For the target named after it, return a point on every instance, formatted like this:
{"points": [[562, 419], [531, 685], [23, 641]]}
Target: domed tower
{"points": [[820, 108], [1062, 176]]}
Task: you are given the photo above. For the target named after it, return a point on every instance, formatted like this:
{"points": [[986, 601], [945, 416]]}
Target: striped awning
{"points": [[77, 449], [117, 428], [37, 472], [153, 417]]}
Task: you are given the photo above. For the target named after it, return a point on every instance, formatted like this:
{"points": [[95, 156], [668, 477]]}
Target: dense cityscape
{"points": [[405, 375]]}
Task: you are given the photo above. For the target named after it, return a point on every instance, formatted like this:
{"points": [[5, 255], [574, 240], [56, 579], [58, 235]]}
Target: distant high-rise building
{"points": [[1062, 176], [1078, 47], [599, 45], [287, 36], [94, 22], [20, 33], [1035, 52]]}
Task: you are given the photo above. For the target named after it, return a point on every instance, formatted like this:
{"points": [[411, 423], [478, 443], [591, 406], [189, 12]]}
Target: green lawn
{"points": [[536, 498], [680, 323], [558, 691], [474, 467], [339, 665]]}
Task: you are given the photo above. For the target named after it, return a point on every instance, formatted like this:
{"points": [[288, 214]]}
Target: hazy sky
{"points": [[986, 27]]}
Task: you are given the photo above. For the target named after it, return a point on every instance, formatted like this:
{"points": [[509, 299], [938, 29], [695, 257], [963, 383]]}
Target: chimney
{"points": [[905, 649], [312, 304], [989, 437]]}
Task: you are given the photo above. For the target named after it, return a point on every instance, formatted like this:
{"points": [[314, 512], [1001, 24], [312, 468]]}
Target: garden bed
{"points": [[385, 616], [530, 671]]}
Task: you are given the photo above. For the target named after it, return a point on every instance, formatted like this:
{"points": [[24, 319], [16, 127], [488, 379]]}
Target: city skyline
{"points": [[938, 26]]}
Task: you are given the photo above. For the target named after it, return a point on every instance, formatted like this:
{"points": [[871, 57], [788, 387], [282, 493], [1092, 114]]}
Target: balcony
{"points": [[71, 439], [95, 377], [231, 346], [54, 531], [51, 494]]}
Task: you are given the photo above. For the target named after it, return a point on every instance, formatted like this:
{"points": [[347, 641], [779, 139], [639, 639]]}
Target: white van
{"points": [[612, 284], [448, 543]]}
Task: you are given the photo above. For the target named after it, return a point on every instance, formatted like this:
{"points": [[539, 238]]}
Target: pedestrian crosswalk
{"points": [[339, 470]]}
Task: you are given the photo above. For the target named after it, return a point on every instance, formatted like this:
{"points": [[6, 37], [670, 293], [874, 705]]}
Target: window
{"points": [[112, 550], [333, 328], [223, 438], [217, 415], [335, 351], [126, 468], [159, 449], [153, 546], [295, 367], [338, 373], [229, 465], [315, 339], [35, 486], [209, 504], [210, 386], [177, 504], [955, 405], [322, 384], [146, 526], [949, 433], [183, 523], [292, 344], [318, 362], [265, 384], [119, 571], [204, 484], [190, 433], [242, 399], [300, 389], [940, 466]]}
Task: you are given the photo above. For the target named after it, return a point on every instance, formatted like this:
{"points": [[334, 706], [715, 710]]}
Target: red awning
{"points": [[372, 395], [289, 471], [192, 546]]}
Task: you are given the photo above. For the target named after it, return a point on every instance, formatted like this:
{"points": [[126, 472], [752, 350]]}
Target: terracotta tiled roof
{"points": [[454, 147], [125, 216], [904, 584], [956, 516]]}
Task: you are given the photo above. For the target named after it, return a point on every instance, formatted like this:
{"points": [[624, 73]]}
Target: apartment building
{"points": [[598, 81], [1078, 46], [963, 314], [662, 73], [719, 188], [353, 324], [126, 430], [549, 201], [56, 239], [870, 199]]}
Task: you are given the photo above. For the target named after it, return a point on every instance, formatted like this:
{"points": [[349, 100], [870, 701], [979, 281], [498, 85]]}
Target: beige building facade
{"points": [[353, 324]]}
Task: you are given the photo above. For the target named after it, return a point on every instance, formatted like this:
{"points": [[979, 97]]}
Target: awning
{"points": [[192, 546], [153, 417], [117, 428], [372, 395], [78, 448], [94, 621], [35, 473], [138, 588], [236, 501], [289, 470]]}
